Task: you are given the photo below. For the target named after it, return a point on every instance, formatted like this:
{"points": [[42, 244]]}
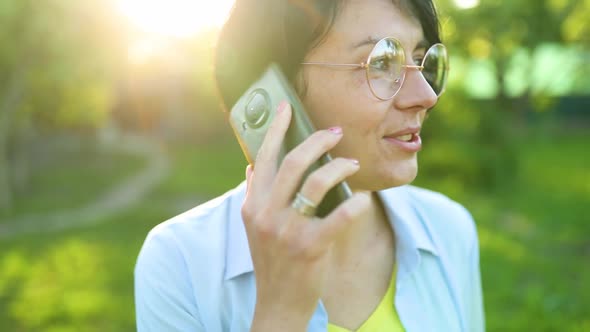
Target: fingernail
{"points": [[282, 106], [335, 130], [354, 161]]}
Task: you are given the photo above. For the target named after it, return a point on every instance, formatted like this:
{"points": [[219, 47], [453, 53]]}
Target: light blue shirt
{"points": [[195, 273]]}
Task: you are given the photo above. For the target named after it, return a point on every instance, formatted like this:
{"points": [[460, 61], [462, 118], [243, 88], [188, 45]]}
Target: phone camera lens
{"points": [[257, 108]]}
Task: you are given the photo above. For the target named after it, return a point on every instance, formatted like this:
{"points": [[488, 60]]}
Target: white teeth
{"points": [[406, 138]]}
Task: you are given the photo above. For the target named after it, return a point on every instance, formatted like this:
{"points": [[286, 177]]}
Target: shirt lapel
{"points": [[237, 252]]}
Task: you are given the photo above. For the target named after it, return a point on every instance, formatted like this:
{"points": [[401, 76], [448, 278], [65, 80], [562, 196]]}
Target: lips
{"points": [[405, 134], [407, 139]]}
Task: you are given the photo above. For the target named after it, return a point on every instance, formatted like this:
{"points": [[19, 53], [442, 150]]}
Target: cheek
{"points": [[322, 100], [357, 80], [342, 99], [364, 111]]}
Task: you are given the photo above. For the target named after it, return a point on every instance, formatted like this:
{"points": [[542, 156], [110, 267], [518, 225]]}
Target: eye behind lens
{"points": [[385, 69]]}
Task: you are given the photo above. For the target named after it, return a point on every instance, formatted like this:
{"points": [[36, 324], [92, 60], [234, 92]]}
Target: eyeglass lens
{"points": [[436, 68], [386, 71]]}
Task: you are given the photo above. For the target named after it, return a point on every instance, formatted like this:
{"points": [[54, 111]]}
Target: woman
{"points": [[392, 257]]}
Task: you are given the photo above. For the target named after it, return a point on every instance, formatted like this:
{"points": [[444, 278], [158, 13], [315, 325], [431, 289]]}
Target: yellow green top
{"points": [[383, 319]]}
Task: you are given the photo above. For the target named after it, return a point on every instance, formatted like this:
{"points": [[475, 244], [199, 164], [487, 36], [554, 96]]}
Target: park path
{"points": [[124, 195]]}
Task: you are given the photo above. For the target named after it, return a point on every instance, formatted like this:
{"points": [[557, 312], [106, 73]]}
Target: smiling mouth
{"points": [[407, 142], [405, 138]]}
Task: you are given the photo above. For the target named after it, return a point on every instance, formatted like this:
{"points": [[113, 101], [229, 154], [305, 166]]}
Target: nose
{"points": [[415, 92]]}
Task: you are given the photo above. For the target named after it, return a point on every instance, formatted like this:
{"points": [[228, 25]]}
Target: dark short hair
{"points": [[259, 32]]}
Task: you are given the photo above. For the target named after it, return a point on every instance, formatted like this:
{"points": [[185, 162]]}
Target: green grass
{"points": [[534, 236], [533, 232], [82, 279]]}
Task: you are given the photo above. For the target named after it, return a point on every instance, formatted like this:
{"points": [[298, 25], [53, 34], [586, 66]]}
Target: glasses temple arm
{"points": [[355, 65], [420, 68]]}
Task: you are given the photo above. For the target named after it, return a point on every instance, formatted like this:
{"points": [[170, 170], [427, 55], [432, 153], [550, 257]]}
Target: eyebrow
{"points": [[372, 41]]}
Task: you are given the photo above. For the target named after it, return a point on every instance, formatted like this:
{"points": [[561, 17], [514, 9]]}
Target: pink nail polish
{"points": [[335, 130], [282, 106]]}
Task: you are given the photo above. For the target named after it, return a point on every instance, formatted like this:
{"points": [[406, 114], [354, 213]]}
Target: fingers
{"points": [[298, 160], [318, 183], [328, 229], [311, 238], [266, 159]]}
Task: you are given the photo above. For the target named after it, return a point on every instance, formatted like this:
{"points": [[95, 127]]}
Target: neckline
{"points": [[389, 294]]}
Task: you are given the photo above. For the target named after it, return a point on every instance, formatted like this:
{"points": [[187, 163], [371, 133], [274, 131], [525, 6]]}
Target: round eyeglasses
{"points": [[386, 67]]}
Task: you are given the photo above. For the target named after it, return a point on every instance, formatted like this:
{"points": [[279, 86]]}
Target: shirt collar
{"points": [[406, 216], [403, 213], [237, 251]]}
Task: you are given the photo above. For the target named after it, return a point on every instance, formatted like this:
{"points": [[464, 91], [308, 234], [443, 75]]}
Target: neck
{"points": [[367, 232]]}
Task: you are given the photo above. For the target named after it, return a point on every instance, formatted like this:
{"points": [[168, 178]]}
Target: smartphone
{"points": [[253, 113]]}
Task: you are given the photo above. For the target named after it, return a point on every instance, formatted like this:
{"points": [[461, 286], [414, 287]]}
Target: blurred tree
{"points": [[57, 73], [170, 92], [500, 32], [497, 48]]}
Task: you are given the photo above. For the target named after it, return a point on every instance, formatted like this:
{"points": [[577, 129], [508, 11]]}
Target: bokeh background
{"points": [[109, 125]]}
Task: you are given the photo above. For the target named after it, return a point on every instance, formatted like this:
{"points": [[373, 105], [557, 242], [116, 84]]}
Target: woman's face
{"points": [[373, 128]]}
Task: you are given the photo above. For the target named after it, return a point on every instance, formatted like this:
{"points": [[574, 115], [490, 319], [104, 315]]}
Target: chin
{"points": [[399, 174]]}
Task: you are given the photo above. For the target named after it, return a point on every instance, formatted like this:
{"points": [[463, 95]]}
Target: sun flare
{"points": [[175, 18], [466, 4]]}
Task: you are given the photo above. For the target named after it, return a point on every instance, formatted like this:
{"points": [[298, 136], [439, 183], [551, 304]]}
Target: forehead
{"points": [[362, 19]]}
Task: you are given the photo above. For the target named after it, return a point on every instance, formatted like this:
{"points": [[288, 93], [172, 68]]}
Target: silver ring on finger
{"points": [[304, 206]]}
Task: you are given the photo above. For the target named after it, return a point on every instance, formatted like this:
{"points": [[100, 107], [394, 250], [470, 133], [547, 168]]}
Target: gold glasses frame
{"points": [[365, 66]]}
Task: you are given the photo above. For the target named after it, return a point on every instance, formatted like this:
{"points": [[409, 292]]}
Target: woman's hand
{"points": [[289, 250]]}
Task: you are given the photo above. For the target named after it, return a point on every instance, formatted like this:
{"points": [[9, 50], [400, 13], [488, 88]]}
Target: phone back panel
{"points": [[253, 113]]}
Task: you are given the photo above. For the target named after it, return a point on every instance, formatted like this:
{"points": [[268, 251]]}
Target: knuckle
{"points": [[292, 161], [248, 214], [292, 239], [291, 243], [294, 246], [285, 237], [264, 230], [323, 138], [316, 181], [258, 221], [347, 212], [362, 203], [262, 154], [365, 202], [311, 244]]}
